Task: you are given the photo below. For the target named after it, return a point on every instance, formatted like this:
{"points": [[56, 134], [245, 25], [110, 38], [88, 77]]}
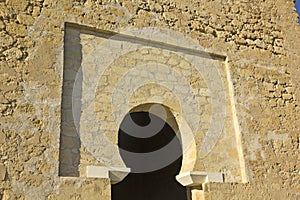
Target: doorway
{"points": [[153, 169]]}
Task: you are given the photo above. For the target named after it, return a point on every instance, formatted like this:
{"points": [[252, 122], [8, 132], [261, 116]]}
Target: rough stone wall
{"points": [[261, 41]]}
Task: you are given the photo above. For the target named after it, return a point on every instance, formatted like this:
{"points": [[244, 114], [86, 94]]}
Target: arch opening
{"points": [[152, 149]]}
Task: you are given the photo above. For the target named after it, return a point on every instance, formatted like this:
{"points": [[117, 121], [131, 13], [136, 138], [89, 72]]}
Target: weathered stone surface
{"points": [[70, 188], [8, 195], [18, 5], [16, 29], [261, 77], [2, 25], [13, 53]]}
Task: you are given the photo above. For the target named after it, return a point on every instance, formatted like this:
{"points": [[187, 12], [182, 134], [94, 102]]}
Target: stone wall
{"points": [[107, 82], [259, 38]]}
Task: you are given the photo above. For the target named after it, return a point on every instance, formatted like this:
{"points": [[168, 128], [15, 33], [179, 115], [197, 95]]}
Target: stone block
{"points": [[16, 29], [287, 96], [2, 172], [19, 5], [25, 19]]}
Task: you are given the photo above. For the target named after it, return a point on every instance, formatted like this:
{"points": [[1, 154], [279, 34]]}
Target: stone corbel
{"points": [[115, 174], [194, 180], [197, 178]]}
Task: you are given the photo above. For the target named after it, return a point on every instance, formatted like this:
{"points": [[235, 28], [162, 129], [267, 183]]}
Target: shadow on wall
{"points": [[69, 154]]}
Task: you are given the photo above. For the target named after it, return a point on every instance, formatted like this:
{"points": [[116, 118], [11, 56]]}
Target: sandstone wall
{"points": [[259, 38]]}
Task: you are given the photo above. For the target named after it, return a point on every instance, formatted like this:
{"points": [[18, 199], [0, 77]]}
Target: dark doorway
{"points": [[152, 176]]}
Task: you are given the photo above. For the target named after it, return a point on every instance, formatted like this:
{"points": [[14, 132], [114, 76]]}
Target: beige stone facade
{"points": [[223, 74]]}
